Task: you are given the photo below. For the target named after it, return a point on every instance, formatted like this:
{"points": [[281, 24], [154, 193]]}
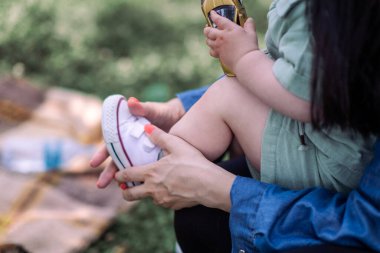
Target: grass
{"points": [[145, 228]]}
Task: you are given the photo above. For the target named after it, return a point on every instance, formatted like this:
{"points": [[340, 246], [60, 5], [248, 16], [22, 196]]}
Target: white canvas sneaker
{"points": [[124, 135]]}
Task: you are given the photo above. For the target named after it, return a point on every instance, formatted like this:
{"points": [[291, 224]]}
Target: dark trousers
{"points": [[201, 229]]}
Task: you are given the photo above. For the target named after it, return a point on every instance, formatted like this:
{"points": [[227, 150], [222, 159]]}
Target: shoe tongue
{"points": [[136, 129], [124, 128]]}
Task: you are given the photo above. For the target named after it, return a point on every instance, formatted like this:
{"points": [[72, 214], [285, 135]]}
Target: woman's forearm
{"points": [[215, 189]]}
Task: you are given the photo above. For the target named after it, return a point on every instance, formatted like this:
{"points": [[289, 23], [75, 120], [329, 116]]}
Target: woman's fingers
{"points": [[134, 174], [166, 141], [164, 115], [136, 107], [107, 175], [99, 157], [136, 193]]}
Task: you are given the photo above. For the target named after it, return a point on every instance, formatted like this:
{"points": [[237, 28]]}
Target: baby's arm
{"points": [[238, 49], [254, 70]]}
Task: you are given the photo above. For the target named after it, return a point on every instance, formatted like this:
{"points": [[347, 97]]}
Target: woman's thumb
{"points": [[136, 107], [158, 137]]}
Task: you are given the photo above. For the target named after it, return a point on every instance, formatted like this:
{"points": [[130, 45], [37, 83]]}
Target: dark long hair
{"points": [[345, 88]]}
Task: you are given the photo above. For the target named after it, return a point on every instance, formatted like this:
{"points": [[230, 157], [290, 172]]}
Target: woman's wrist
{"points": [[216, 188]]}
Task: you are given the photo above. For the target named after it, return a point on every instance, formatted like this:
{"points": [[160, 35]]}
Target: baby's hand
{"points": [[230, 42]]}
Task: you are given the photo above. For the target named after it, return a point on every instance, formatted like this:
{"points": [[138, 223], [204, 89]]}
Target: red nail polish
{"points": [[133, 100], [148, 128], [123, 186]]}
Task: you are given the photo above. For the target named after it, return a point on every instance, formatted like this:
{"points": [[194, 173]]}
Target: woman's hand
{"points": [[183, 178], [109, 171], [163, 115], [230, 42]]}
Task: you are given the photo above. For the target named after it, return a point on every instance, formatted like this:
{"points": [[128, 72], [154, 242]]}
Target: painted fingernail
{"points": [[133, 100], [123, 186], [148, 128]]}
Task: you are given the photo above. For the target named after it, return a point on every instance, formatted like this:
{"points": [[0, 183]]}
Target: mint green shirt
{"points": [[332, 159]]}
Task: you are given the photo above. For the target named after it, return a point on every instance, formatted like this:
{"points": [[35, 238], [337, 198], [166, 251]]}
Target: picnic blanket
{"points": [[49, 201]]}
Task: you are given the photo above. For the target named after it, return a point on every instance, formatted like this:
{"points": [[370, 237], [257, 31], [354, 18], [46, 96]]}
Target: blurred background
{"points": [[150, 49]]}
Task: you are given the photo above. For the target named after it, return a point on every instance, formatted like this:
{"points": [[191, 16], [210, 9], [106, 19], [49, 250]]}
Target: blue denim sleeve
{"points": [[188, 98], [269, 218]]}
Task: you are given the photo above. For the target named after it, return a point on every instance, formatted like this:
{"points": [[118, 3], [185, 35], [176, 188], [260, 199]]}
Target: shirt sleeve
{"points": [[270, 218], [289, 31], [190, 97]]}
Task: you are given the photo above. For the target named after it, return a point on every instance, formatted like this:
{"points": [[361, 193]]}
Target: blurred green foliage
{"points": [[115, 46], [146, 228], [149, 49]]}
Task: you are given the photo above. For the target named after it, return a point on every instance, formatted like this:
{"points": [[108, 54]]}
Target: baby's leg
{"points": [[227, 109]]}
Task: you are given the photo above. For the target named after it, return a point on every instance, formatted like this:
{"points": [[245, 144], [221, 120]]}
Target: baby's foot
{"points": [[124, 135]]}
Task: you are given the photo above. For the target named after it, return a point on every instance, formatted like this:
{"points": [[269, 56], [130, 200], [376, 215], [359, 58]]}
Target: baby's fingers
{"points": [[211, 33], [214, 53], [211, 43]]}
